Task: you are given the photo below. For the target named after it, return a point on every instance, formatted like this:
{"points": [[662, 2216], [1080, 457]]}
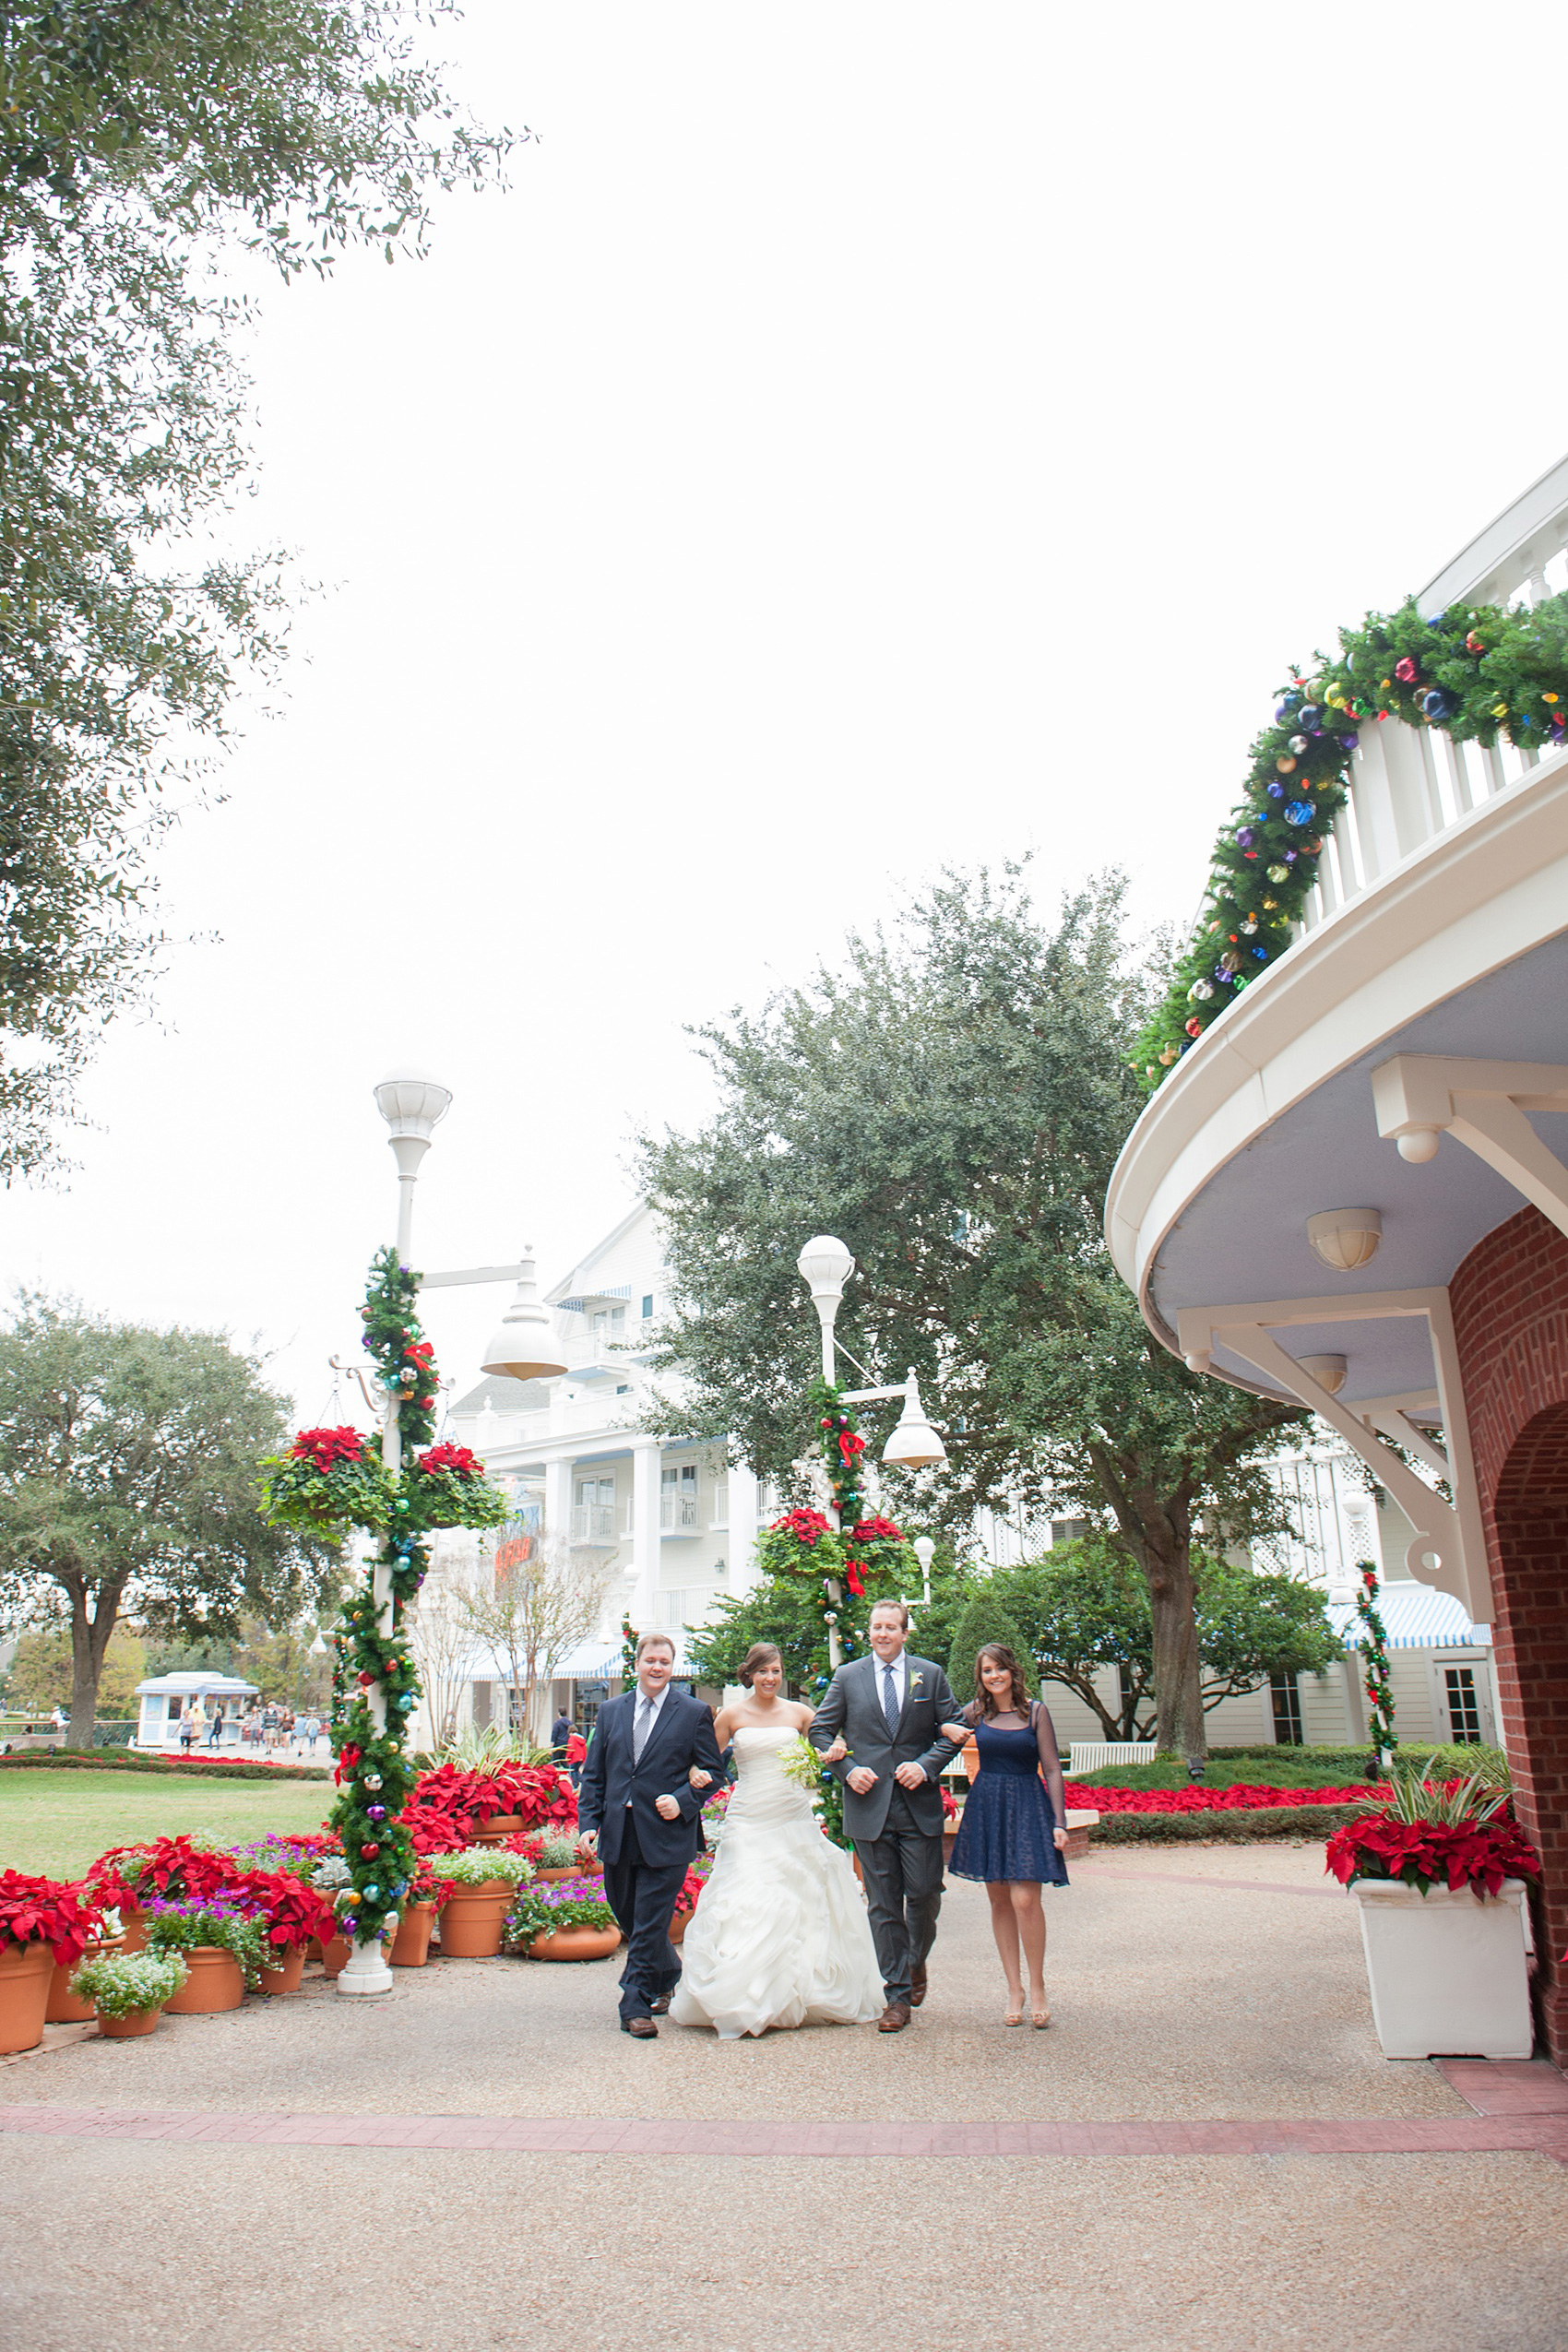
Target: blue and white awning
{"points": [[1418, 1617]]}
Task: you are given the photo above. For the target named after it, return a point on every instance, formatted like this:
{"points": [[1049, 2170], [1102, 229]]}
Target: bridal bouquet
{"points": [[799, 1762]]}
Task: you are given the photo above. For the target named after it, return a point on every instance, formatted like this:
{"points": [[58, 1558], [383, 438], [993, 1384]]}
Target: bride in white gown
{"points": [[780, 1936]]}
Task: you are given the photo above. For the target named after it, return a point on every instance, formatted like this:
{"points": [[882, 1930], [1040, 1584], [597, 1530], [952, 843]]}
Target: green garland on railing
{"points": [[1474, 672], [326, 1479]]}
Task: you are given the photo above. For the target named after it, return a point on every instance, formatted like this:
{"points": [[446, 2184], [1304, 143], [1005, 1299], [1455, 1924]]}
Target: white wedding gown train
{"points": [[780, 1936]]}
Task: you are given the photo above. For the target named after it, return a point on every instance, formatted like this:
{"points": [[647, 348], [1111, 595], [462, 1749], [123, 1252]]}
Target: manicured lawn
{"points": [[58, 1822]]}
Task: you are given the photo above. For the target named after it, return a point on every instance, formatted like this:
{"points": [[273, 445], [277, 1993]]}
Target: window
{"points": [[1464, 1707], [647, 1306], [625, 1389], [678, 1498], [1286, 1695], [608, 1325]]}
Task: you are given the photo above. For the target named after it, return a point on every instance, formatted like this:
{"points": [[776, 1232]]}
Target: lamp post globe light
{"points": [[825, 1265]]}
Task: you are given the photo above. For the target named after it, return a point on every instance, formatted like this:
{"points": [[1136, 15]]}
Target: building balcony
{"points": [[678, 1515], [593, 1527], [1433, 961]]}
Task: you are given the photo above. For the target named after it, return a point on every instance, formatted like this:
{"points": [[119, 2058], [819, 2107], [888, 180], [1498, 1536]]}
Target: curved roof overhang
{"points": [[1462, 950]]}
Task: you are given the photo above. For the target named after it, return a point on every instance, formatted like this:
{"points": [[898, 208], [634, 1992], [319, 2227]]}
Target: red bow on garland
{"points": [[852, 1577], [849, 1446]]}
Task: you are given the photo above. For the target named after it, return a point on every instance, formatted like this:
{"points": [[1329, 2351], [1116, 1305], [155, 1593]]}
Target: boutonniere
{"points": [[915, 1681]]}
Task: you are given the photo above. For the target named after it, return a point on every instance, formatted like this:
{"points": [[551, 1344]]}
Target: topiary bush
{"points": [[982, 1619]]}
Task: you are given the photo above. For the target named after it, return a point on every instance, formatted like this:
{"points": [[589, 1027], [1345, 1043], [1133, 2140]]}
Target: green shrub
{"points": [[1308, 1822], [982, 1619]]}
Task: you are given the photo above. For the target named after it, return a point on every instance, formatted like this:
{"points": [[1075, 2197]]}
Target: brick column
{"points": [[1510, 1302]]}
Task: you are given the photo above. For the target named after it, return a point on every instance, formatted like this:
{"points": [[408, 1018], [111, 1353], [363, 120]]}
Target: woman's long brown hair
{"points": [[985, 1706]]}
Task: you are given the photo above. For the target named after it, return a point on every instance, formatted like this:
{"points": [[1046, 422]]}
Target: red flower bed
{"points": [[45, 1910], [1242, 1799], [1425, 1854]]}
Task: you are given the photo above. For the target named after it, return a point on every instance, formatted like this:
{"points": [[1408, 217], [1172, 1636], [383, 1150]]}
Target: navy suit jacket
{"points": [[612, 1782]]}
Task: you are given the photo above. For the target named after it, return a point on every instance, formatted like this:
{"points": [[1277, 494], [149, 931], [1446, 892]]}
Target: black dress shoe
{"points": [[642, 2029], [661, 2006]]}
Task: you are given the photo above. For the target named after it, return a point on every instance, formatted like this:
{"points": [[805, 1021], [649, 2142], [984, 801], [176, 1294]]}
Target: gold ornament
{"points": [[1285, 763]]}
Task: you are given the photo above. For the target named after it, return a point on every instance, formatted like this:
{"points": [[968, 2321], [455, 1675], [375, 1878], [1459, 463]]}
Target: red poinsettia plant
{"points": [[46, 1911], [806, 1527], [326, 1448], [692, 1883], [451, 1801], [875, 1531], [1453, 1836], [329, 1478], [457, 1461], [168, 1867], [293, 1909]]}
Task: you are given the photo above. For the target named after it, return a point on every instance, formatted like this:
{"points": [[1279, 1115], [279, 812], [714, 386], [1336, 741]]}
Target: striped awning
{"points": [[1418, 1617]]}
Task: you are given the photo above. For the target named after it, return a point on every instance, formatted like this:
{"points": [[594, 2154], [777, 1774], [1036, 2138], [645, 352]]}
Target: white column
{"points": [[558, 1499], [646, 1459], [742, 1529]]}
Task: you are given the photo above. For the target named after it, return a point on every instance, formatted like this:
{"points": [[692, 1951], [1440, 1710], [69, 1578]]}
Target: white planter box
{"points": [[1446, 1973]]}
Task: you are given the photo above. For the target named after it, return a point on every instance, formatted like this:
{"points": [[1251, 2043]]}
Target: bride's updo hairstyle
{"points": [[759, 1654], [998, 1654]]}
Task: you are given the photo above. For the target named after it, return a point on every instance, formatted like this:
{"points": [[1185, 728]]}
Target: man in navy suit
{"points": [[637, 1805]]}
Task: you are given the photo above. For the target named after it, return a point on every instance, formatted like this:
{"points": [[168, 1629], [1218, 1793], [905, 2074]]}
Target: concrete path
{"points": [[1200, 2155]]}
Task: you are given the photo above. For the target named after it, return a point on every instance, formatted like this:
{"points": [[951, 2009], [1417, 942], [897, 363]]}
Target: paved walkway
{"points": [[1206, 2153]]}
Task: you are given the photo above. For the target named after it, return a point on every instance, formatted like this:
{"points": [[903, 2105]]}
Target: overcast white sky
{"points": [[866, 436]]}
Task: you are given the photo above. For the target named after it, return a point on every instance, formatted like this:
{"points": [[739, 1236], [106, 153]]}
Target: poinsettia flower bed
{"points": [[164, 1866], [1243, 1797]]}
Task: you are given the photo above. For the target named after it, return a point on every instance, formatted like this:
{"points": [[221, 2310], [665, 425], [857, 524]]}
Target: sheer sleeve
{"points": [[1051, 1762]]}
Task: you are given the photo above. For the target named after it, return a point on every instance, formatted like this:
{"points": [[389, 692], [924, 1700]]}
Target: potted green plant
{"points": [[127, 1990], [224, 1948], [564, 1919], [1438, 1873], [478, 1887], [42, 1922], [66, 2006]]}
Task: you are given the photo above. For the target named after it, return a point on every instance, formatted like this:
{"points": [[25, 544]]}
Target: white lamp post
{"points": [[824, 1266], [925, 1553]]}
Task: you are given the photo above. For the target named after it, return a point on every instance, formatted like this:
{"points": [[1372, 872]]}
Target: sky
{"points": [[862, 439]]}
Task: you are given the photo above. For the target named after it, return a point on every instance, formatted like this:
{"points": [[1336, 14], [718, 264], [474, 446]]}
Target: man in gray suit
{"points": [[889, 1709]]}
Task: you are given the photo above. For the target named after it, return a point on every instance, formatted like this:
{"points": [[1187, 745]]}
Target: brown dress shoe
{"points": [[661, 2007], [642, 2029], [894, 2018], [917, 1987]]}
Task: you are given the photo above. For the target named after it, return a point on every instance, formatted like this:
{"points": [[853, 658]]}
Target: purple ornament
{"points": [[1276, 791], [1350, 741], [376, 1812], [1244, 837]]}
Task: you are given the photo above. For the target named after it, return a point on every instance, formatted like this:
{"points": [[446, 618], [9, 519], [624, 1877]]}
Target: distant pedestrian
{"points": [[189, 1726], [560, 1732], [576, 1748]]}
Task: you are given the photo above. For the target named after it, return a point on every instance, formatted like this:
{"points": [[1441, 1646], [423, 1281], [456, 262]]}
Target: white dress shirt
{"points": [[900, 1678], [653, 1704]]}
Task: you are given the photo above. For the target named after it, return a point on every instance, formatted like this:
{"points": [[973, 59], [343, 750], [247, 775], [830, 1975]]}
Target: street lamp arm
{"points": [[871, 1396]]}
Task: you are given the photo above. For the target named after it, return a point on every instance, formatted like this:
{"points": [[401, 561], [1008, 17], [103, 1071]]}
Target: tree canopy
{"points": [[951, 1104], [139, 140], [128, 1484]]}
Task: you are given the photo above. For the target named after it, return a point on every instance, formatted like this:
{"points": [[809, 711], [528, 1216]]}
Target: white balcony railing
{"points": [[678, 1515], [688, 1607], [1409, 785], [594, 1523]]}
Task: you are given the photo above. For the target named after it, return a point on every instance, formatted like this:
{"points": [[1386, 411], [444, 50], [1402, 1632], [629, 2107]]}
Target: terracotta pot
{"points": [[574, 1943], [287, 1978], [335, 1955], [25, 1971], [472, 1920], [216, 1981], [133, 1923], [125, 2029], [65, 2009], [410, 1945], [313, 1949], [544, 1877], [491, 1828]]}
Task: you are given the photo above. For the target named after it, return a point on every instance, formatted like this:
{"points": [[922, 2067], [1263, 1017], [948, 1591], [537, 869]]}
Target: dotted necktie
{"points": [[890, 1699]]}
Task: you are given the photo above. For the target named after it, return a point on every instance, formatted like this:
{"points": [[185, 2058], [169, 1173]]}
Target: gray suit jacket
{"points": [[854, 1706]]}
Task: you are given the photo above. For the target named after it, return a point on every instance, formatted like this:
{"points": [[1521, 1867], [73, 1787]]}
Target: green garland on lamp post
{"points": [[399, 1487], [1374, 1667]]}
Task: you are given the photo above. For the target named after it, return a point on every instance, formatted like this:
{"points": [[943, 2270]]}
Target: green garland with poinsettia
{"points": [[335, 1479], [1475, 672], [1375, 1675]]}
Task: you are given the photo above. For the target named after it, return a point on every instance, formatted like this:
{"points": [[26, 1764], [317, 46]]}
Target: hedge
{"points": [[159, 1767], [1227, 1829]]}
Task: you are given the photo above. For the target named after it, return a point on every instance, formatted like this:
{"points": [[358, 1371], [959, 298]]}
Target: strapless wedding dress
{"points": [[780, 1936]]}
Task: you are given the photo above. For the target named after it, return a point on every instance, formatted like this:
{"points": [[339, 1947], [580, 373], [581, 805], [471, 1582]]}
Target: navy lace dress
{"points": [[1007, 1825]]}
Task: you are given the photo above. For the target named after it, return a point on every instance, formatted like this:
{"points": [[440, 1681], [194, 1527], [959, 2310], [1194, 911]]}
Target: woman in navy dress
{"points": [[1011, 1835]]}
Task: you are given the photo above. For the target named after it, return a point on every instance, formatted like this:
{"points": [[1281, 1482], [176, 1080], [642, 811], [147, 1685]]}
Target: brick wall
{"points": [[1510, 1300]]}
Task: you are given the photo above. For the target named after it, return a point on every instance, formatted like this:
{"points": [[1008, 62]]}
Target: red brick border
{"points": [[1545, 2132]]}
